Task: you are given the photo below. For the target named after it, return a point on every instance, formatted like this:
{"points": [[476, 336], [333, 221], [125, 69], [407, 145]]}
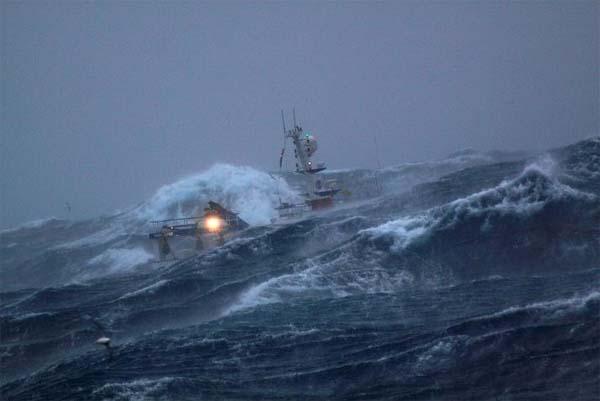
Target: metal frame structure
{"points": [[216, 221]]}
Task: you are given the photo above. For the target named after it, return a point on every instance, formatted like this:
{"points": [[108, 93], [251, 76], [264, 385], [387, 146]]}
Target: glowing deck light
{"points": [[213, 224]]}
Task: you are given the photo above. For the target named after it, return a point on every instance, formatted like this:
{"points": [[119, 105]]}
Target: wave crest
{"points": [[252, 193], [523, 196]]}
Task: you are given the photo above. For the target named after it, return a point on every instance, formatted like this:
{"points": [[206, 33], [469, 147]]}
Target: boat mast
{"points": [[304, 146], [318, 193]]}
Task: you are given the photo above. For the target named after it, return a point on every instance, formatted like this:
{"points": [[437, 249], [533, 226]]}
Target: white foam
{"points": [[254, 296], [437, 353], [149, 290], [341, 277], [29, 225], [32, 315], [97, 238], [552, 309], [405, 229], [136, 390], [251, 193], [524, 195], [121, 259], [451, 162]]}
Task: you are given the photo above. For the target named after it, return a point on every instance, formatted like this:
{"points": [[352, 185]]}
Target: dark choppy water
{"points": [[471, 278]]}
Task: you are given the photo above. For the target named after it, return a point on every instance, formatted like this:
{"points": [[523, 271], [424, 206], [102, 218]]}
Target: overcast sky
{"points": [[103, 102]]}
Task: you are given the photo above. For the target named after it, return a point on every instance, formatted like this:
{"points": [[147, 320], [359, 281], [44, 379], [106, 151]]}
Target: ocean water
{"points": [[475, 277]]}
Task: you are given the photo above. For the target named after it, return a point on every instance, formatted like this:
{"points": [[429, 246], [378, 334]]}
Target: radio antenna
{"points": [[377, 183], [294, 113], [283, 147], [283, 122]]}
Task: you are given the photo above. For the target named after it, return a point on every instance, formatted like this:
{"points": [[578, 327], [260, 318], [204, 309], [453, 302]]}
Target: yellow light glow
{"points": [[213, 224]]}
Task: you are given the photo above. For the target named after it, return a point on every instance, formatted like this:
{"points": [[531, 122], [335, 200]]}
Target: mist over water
{"points": [[460, 278]]}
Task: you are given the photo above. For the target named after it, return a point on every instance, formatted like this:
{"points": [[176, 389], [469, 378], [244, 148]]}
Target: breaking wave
{"points": [[252, 193], [531, 217], [405, 249], [455, 288], [117, 244]]}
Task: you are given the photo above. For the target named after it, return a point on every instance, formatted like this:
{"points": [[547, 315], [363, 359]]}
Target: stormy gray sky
{"points": [[103, 102]]}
